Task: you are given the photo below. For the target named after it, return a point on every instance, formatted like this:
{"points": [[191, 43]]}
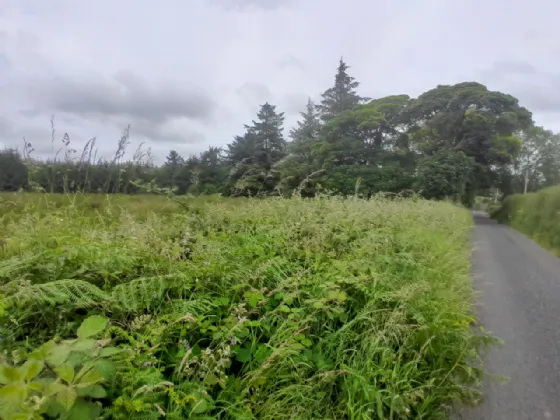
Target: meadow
{"points": [[141, 307]]}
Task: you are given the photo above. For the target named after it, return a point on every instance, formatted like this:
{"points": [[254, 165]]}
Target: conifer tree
{"points": [[342, 96]]}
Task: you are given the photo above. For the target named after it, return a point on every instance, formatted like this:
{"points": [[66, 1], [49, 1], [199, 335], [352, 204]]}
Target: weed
{"points": [[242, 308]]}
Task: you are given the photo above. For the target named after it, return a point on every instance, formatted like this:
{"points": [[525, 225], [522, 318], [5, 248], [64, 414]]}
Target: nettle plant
{"points": [[59, 380]]}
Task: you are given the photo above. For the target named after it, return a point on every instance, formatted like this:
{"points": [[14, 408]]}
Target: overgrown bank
{"points": [[537, 215], [237, 309]]}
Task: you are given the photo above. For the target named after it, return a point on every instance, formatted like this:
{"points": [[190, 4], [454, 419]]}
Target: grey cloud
{"points": [[248, 5], [292, 103], [289, 61], [536, 89], [513, 67], [55, 59], [254, 93], [167, 134], [124, 95], [539, 98]]}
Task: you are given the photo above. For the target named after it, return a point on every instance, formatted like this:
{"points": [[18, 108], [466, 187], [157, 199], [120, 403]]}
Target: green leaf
{"points": [[94, 391], [91, 377], [83, 410], [84, 344], [92, 326], [66, 397], [13, 395], [211, 380], [65, 372], [262, 353], [58, 355], [11, 374], [110, 351], [254, 298], [32, 368], [54, 388], [285, 308], [201, 406], [243, 355], [24, 416], [35, 386], [106, 368], [42, 352]]}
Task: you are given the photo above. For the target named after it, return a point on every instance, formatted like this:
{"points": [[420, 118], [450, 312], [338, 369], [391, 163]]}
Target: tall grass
{"points": [[537, 215], [252, 309]]}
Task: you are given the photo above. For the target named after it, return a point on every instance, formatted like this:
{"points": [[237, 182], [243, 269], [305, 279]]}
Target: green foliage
{"points": [[344, 139], [62, 380], [235, 308], [445, 176], [342, 96], [534, 214], [13, 172]]}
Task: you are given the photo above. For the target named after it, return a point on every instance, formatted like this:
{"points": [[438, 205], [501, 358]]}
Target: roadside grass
{"points": [[250, 309], [537, 215]]}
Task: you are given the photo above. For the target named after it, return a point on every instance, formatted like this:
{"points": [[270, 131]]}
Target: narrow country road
{"points": [[519, 301]]}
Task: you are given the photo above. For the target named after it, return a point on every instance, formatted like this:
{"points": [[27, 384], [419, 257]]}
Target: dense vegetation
{"points": [[452, 141], [536, 214], [136, 307]]}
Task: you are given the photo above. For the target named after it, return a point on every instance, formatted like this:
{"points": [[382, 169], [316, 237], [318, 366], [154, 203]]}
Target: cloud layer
{"points": [[190, 74]]}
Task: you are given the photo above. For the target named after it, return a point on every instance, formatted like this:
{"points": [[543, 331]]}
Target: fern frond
{"points": [[143, 292], [193, 307], [10, 267], [145, 415], [79, 293]]}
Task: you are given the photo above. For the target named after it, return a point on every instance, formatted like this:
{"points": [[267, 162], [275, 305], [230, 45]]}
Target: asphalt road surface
{"points": [[519, 301]]}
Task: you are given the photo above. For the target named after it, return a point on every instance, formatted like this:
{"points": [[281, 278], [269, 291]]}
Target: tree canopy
{"points": [[452, 141]]}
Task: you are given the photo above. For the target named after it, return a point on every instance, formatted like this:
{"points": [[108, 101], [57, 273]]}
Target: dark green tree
{"points": [[13, 172], [254, 155], [445, 175], [468, 117], [368, 143], [300, 163], [171, 169], [342, 96]]}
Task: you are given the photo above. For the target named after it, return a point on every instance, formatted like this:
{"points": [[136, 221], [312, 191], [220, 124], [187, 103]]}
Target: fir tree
{"points": [[268, 128], [342, 96], [308, 127]]}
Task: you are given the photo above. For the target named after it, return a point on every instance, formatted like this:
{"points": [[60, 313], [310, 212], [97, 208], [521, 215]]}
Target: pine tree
{"points": [[308, 127], [172, 168], [342, 96], [173, 160], [253, 155], [270, 142]]}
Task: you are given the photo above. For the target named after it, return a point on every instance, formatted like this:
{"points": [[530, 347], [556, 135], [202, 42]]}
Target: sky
{"points": [[188, 74]]}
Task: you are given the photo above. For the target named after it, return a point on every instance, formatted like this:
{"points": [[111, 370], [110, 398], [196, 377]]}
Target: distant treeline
{"points": [[451, 142]]}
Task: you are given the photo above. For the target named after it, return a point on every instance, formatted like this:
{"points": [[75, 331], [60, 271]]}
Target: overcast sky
{"points": [[187, 74]]}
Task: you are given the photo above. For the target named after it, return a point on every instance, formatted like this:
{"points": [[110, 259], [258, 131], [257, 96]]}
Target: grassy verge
{"points": [[238, 309], [537, 215]]}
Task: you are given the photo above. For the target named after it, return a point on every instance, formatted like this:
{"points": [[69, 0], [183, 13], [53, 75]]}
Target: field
{"points": [[234, 308]]}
